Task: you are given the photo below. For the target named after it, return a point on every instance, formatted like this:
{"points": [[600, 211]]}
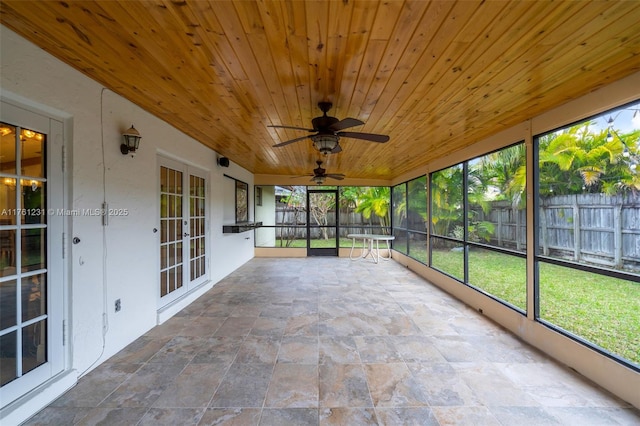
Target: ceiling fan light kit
{"points": [[325, 143], [319, 180]]}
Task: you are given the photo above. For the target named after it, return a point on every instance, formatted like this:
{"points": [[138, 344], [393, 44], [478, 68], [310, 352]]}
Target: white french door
{"points": [[31, 250], [183, 221]]}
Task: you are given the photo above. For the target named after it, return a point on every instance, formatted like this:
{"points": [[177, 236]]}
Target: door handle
{"points": [[186, 235]]}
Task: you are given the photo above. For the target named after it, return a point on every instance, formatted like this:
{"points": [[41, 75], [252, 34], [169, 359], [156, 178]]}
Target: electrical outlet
{"points": [[118, 305]]}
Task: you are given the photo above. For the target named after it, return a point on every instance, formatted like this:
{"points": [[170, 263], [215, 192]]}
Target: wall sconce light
{"points": [[131, 141]]}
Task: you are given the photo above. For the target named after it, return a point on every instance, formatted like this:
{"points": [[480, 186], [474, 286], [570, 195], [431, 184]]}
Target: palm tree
{"points": [[376, 201], [446, 200], [577, 160], [503, 177], [417, 200], [506, 170]]}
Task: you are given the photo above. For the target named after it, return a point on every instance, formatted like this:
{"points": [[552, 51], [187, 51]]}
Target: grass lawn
{"points": [[599, 309]]}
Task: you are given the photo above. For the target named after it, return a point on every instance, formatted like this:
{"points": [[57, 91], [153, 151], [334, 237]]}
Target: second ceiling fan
{"points": [[328, 131], [320, 174]]}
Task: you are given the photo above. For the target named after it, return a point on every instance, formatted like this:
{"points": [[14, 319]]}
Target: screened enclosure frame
{"points": [[540, 259], [466, 242]]}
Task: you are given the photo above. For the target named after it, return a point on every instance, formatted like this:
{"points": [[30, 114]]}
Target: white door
{"points": [[183, 229], [31, 250]]}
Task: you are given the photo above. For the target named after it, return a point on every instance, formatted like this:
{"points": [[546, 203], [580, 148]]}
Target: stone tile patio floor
{"points": [[329, 341]]}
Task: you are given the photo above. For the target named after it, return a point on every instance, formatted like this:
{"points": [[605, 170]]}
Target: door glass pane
{"points": [[33, 249], [163, 283], [179, 276], [7, 201], [32, 148], [171, 181], [179, 253], [7, 148], [164, 179], [163, 257], [8, 370], [8, 298], [172, 206], [178, 207], [7, 252], [178, 229], [33, 201], [33, 296], [164, 205], [178, 182], [172, 280], [34, 351], [171, 231]]}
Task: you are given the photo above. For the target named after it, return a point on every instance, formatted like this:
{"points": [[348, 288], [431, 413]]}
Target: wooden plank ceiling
{"points": [[433, 75]]}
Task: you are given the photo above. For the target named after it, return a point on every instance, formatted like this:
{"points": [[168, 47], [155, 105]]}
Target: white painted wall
{"points": [[117, 261]]}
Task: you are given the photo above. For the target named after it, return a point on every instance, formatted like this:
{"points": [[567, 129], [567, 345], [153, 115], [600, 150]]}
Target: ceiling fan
{"points": [[320, 174], [328, 131]]}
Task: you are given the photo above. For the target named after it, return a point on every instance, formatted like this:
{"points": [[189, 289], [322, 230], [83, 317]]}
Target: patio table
{"points": [[368, 246]]}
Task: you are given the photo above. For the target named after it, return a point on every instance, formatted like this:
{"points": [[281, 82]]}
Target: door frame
{"points": [[57, 261], [188, 286], [331, 251]]}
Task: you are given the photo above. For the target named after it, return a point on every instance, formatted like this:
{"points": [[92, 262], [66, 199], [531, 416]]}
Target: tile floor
{"points": [[329, 341]]}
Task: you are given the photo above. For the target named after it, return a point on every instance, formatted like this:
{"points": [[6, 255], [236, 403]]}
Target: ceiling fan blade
{"points": [[338, 176], [345, 124], [337, 149], [365, 136], [291, 127], [290, 141], [294, 177]]}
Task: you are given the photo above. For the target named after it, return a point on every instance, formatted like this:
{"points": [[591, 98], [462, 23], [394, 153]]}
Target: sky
{"points": [[623, 119]]}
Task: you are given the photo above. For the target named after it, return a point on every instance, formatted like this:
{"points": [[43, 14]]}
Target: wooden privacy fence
{"points": [[510, 224], [291, 223], [592, 228]]}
